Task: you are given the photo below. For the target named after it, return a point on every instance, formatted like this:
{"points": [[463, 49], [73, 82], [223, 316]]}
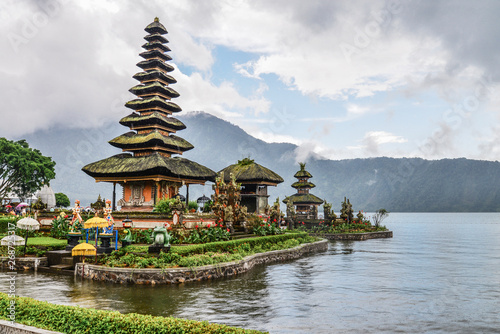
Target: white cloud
{"points": [[222, 101]]}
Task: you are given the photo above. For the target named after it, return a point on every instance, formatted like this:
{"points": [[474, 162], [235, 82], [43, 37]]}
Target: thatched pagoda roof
{"points": [[154, 75], [131, 140], [152, 166], [152, 64], [156, 27], [155, 54], [156, 45], [298, 199], [152, 102], [155, 118], [246, 171], [302, 173], [156, 37], [152, 88], [300, 185]]}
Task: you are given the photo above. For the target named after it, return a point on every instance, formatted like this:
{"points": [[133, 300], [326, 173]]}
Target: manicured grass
{"points": [[46, 241]]}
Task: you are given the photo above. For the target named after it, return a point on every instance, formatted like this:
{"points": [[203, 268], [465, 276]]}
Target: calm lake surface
{"points": [[440, 273]]}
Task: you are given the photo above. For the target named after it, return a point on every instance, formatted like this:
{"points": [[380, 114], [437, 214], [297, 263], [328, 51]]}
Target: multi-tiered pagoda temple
{"points": [[150, 172], [306, 204]]}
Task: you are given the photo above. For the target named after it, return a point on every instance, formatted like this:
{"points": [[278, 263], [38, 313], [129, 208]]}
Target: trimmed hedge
{"points": [[74, 319], [228, 246]]}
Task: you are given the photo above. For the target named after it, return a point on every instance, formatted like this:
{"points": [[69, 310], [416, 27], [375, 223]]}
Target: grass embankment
{"points": [[74, 319], [37, 246], [203, 254], [346, 228]]}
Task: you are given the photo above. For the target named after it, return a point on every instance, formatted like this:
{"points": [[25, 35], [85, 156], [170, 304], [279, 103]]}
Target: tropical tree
{"points": [[62, 199], [380, 215], [23, 170]]}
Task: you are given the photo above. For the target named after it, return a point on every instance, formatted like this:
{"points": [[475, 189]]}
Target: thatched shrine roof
{"points": [[155, 64], [298, 199], [156, 27], [156, 37], [246, 171], [154, 75], [154, 87], [152, 102], [124, 166], [300, 185], [154, 138], [156, 118]]}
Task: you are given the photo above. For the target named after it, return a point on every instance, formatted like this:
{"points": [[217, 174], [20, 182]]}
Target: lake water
{"points": [[440, 273]]}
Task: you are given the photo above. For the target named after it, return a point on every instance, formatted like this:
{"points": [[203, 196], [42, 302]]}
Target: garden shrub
{"points": [[74, 319], [203, 254]]}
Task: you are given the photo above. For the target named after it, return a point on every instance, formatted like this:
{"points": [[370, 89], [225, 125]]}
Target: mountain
{"points": [[404, 185]]}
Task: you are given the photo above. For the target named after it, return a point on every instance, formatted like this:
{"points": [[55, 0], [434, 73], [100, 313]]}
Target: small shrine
{"points": [[306, 204], [254, 180], [149, 172]]}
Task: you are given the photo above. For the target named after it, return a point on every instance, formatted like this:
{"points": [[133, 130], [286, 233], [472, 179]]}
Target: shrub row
{"points": [[74, 319], [228, 246], [4, 223]]}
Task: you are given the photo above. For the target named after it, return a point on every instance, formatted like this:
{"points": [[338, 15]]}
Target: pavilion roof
{"points": [[125, 165], [303, 199], [247, 171]]}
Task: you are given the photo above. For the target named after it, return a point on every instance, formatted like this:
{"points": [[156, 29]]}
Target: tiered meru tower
{"points": [[306, 204], [150, 172]]}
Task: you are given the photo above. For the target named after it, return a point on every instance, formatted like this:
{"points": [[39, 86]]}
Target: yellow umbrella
{"points": [[83, 249], [95, 222]]}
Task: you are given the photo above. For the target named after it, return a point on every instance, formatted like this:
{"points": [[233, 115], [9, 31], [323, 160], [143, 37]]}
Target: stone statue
{"points": [[327, 207], [161, 238], [360, 216]]}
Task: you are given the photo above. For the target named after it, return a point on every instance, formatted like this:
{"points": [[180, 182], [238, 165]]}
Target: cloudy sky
{"points": [[343, 79]]}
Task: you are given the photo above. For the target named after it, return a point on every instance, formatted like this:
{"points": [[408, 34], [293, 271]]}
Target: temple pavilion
{"points": [[149, 172], [306, 204], [254, 180]]}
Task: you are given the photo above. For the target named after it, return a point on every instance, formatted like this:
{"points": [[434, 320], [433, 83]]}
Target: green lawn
{"points": [[46, 241]]}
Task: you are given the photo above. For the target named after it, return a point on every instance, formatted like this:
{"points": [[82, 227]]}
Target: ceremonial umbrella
{"points": [[83, 249], [96, 222], [28, 224]]}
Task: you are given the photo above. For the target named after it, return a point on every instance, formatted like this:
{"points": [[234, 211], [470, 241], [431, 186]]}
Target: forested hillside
{"points": [[405, 185]]}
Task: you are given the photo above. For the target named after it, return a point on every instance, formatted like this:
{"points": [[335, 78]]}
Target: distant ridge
{"points": [[398, 185]]}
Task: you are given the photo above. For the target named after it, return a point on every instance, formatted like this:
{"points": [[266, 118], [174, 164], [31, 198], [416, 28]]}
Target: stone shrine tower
{"points": [[306, 204]]}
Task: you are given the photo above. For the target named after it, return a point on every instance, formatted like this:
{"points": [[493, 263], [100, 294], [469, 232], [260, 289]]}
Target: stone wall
{"points": [[24, 263], [181, 275], [8, 328], [355, 236]]}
